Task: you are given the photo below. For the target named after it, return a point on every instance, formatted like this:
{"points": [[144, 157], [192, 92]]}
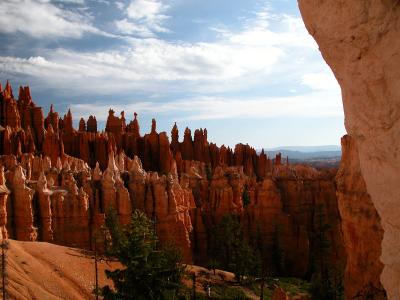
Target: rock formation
{"points": [[44, 211], [4, 192], [362, 53], [362, 232], [62, 181], [21, 210]]}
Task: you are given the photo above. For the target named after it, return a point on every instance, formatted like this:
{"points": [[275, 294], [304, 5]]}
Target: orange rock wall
{"points": [[362, 232], [59, 183]]}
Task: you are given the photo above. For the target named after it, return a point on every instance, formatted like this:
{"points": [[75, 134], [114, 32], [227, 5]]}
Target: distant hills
{"points": [[306, 152], [321, 148], [317, 156]]}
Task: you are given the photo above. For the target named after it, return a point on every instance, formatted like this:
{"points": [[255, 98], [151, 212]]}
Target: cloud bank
{"points": [[268, 50]]}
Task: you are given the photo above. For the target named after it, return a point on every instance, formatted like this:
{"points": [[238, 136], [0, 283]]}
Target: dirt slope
{"points": [[37, 270]]}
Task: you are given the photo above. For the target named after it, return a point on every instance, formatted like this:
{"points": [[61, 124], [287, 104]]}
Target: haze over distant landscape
{"points": [[246, 70]]}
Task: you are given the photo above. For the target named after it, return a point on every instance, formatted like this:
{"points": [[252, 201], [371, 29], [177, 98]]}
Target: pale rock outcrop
{"points": [[21, 208], [4, 192], [109, 192], [76, 213], [137, 186], [58, 215], [221, 195], [44, 202], [359, 41], [177, 224], [97, 174], [124, 204]]}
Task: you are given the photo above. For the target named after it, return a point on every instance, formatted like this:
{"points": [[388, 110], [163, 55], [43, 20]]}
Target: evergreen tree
{"points": [[213, 264], [245, 197], [147, 273], [232, 252], [327, 281], [278, 254], [247, 264]]}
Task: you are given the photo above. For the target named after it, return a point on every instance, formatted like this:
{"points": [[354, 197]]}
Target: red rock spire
{"points": [[91, 124], [8, 93], [153, 126], [136, 127], [82, 125], [68, 125], [187, 145], [175, 139], [24, 96]]}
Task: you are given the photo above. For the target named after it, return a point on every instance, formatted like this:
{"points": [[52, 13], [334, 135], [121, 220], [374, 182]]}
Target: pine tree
{"points": [[245, 197], [147, 273], [326, 281], [278, 254], [231, 250]]}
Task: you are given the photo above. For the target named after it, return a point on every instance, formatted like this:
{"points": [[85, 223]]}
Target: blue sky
{"points": [[246, 70]]}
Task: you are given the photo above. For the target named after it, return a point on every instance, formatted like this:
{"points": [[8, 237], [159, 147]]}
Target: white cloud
{"points": [[145, 18], [69, 1], [42, 19], [291, 32], [119, 5], [146, 9], [124, 26], [320, 81], [254, 57], [147, 63], [309, 105]]}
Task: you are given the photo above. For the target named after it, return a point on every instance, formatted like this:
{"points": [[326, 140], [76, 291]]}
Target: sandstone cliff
{"points": [[362, 232], [359, 41]]}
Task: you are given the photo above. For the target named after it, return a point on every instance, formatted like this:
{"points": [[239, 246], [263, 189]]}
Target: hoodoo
{"points": [[58, 186], [360, 42]]}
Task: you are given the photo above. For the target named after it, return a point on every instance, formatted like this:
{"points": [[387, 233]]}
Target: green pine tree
{"points": [[278, 254], [231, 250], [147, 273], [245, 197], [326, 281]]}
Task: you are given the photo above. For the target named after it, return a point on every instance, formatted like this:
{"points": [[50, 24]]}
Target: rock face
{"points": [[4, 192], [59, 183], [362, 232], [363, 54], [21, 206]]}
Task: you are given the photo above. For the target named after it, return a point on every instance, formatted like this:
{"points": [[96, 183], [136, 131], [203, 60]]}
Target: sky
{"points": [[248, 71]]}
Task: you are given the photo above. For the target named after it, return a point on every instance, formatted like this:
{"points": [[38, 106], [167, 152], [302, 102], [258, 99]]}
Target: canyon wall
{"points": [[57, 183], [361, 227], [360, 42]]}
